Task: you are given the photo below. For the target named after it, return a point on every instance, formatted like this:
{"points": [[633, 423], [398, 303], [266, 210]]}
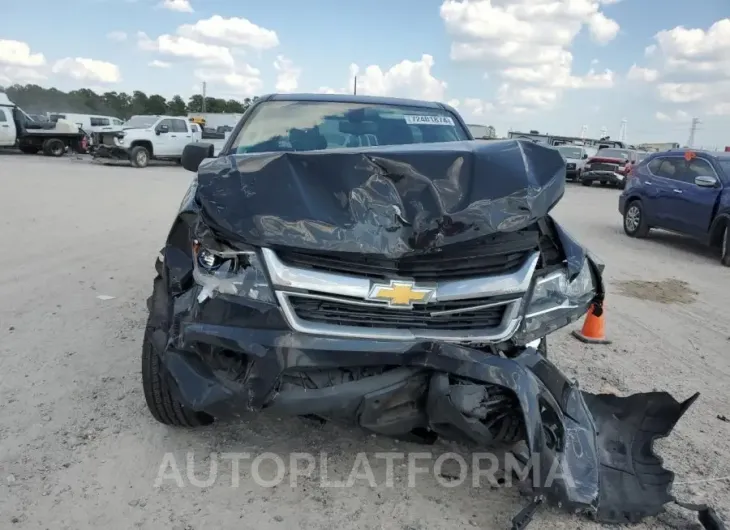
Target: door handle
{"points": [[6, 126], [677, 191]]}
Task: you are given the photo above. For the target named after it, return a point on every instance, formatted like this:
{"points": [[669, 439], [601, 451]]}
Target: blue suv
{"points": [[684, 191]]}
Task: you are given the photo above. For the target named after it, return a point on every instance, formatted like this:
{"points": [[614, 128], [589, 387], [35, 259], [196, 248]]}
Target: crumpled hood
{"points": [[391, 201]]}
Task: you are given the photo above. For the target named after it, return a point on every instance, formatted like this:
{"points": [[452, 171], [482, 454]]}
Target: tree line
{"points": [[35, 99]]}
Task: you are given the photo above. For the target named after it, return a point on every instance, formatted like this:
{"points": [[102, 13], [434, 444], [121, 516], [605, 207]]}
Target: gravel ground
{"points": [[79, 450]]}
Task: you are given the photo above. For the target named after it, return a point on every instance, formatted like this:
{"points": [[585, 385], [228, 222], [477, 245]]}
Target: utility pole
{"points": [[204, 87], [583, 132], [692, 131], [355, 88], [622, 130]]}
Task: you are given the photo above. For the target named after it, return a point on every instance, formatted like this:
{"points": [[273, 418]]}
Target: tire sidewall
{"points": [[629, 207], [136, 151], [725, 246]]}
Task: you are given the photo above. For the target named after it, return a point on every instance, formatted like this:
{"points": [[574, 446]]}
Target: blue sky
{"points": [[458, 51]]}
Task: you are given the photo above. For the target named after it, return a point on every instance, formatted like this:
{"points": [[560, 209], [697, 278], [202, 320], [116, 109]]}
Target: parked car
{"points": [[405, 287], [575, 158], [610, 166], [682, 191]]}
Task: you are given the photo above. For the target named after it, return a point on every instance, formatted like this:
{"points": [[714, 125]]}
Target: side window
{"points": [[178, 126], [655, 164], [670, 168], [3, 118], [697, 168], [167, 123]]}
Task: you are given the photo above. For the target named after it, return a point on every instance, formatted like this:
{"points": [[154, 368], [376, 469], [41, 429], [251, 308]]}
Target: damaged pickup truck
{"points": [[405, 287]]}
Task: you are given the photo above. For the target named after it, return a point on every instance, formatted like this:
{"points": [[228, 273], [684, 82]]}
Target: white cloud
{"points": [[232, 31], [17, 53], [183, 6], [117, 36], [287, 77], [84, 69], [409, 79], [677, 116], [476, 108], [159, 64], [637, 73], [528, 42], [603, 29], [693, 65], [245, 81], [184, 47], [10, 75]]}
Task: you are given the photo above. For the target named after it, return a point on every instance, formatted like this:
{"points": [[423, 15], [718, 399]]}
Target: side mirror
{"points": [[706, 182], [162, 129], [585, 155], [194, 154]]}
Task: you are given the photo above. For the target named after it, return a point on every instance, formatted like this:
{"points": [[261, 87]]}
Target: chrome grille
{"points": [[454, 315], [604, 167]]}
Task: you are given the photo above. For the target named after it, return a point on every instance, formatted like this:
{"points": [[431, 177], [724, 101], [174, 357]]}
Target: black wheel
{"points": [[54, 147], [586, 182], [139, 156], [161, 403], [725, 255], [29, 149], [634, 220]]}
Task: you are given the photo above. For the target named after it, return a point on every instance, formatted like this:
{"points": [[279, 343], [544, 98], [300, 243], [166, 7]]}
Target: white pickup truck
{"points": [[145, 138], [17, 129]]}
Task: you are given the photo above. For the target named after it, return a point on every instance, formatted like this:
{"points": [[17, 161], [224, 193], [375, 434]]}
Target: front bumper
{"points": [[601, 461], [617, 179], [112, 152]]}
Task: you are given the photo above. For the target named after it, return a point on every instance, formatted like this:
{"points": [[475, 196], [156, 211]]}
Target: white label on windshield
{"points": [[416, 119]]}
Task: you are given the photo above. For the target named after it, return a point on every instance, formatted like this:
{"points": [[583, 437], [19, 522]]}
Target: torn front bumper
{"points": [[588, 453], [111, 152], [611, 177]]}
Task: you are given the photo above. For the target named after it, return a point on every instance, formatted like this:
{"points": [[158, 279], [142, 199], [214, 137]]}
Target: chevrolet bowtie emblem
{"points": [[400, 294]]}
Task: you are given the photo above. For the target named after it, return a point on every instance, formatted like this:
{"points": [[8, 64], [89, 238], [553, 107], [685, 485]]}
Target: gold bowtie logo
{"points": [[401, 294]]}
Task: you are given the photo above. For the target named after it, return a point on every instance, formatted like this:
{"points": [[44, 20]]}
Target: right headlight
{"points": [[239, 273], [557, 301]]}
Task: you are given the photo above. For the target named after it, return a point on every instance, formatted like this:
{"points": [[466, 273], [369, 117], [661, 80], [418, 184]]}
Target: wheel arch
{"points": [[143, 143], [717, 228]]}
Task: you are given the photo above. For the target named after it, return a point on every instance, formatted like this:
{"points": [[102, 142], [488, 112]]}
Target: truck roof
{"points": [[352, 98]]}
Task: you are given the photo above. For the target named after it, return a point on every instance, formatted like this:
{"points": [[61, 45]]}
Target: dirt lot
{"points": [[78, 449]]}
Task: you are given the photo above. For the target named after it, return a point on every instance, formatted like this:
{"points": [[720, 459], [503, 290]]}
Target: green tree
{"points": [[35, 99], [156, 104], [176, 106]]}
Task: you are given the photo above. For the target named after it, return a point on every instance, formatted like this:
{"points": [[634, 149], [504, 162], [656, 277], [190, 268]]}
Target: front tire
{"points": [[635, 221], [160, 401], [586, 182], [139, 156], [725, 253]]}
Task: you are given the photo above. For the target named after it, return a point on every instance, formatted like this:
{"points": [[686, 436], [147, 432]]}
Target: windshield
{"points": [[571, 152], [614, 153], [140, 122], [313, 125]]}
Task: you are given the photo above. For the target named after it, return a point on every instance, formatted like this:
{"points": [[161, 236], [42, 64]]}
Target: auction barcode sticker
{"points": [[417, 119]]}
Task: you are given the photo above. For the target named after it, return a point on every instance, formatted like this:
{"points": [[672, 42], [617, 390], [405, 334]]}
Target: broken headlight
{"points": [[233, 272], [556, 301]]}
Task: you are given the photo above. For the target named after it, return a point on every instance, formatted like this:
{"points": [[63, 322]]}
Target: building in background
{"points": [[482, 132], [659, 147]]}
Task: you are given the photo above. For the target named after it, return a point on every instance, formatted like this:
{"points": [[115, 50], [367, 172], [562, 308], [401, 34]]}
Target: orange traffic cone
{"points": [[594, 327]]}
